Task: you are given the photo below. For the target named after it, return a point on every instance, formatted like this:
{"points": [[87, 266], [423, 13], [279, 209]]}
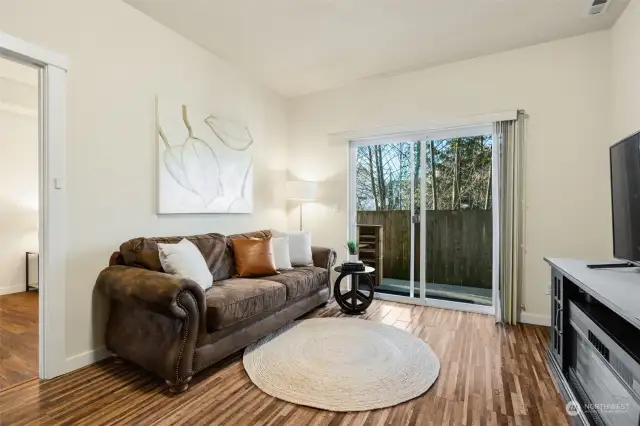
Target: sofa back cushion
{"points": [[261, 235], [143, 253]]}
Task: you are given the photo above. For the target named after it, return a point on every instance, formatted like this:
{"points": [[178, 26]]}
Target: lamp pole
{"points": [[301, 203], [303, 192]]}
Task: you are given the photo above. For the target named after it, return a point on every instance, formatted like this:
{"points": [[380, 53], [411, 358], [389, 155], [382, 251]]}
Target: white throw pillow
{"points": [[186, 260], [280, 250], [299, 246]]}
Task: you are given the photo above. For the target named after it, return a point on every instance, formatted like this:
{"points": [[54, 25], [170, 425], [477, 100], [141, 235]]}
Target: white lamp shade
{"points": [[301, 190]]}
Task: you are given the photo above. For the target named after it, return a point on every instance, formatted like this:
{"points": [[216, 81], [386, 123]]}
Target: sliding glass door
{"points": [[385, 211], [458, 217], [421, 208]]}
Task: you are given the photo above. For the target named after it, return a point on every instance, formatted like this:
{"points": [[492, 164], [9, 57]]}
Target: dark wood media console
{"points": [[595, 339]]}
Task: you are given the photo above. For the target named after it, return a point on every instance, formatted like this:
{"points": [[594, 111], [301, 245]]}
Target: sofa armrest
{"points": [[155, 291], [156, 320], [323, 257]]}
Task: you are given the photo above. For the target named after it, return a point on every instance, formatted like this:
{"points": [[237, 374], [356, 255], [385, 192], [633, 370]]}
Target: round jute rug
{"points": [[342, 364]]}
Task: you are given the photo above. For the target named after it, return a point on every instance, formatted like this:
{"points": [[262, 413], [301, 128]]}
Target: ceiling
{"points": [[300, 46]]}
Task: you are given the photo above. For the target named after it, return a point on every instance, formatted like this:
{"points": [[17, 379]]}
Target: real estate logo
{"points": [[573, 408]]}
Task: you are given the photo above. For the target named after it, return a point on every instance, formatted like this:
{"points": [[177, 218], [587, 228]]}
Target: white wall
{"points": [[119, 61], [18, 175], [625, 44], [564, 88]]}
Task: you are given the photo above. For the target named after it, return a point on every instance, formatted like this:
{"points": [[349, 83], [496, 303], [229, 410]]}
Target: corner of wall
{"points": [[625, 68], [86, 358], [535, 319]]}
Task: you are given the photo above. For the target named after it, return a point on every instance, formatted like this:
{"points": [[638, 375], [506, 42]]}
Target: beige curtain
{"points": [[510, 138]]}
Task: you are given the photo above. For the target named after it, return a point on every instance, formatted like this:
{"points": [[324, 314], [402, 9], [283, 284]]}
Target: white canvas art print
{"points": [[205, 162]]}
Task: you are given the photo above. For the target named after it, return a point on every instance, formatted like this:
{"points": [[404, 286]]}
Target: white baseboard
{"points": [[537, 319], [12, 289], [86, 358]]}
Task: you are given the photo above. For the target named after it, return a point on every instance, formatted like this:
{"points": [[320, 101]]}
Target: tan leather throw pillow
{"points": [[253, 257]]}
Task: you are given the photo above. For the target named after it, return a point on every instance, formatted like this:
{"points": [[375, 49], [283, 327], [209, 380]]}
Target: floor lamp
{"points": [[303, 192]]}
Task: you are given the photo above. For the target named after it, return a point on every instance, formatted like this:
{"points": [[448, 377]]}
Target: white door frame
{"points": [[52, 224], [423, 137]]}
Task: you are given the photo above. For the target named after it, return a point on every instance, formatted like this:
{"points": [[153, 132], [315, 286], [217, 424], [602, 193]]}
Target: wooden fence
{"points": [[459, 245]]}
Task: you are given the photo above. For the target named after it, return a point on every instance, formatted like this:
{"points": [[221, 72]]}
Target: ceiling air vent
{"points": [[598, 7]]}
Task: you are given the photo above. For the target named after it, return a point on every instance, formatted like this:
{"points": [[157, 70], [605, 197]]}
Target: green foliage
{"points": [[352, 246], [457, 175]]}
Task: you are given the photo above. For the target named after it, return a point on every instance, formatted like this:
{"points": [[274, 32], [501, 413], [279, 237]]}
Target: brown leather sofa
{"points": [[172, 327]]}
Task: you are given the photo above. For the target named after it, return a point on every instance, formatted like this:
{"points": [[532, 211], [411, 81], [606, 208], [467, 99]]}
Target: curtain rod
{"points": [[343, 137]]}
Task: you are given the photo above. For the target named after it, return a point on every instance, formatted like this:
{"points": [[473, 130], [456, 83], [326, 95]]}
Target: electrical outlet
{"points": [[549, 290]]}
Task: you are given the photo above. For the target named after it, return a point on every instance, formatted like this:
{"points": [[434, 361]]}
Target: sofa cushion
{"points": [[143, 253], [261, 235], [300, 252], [185, 259], [301, 281], [253, 257], [236, 299]]}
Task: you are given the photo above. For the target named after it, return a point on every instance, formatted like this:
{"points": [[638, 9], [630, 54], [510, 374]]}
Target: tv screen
{"points": [[625, 198]]}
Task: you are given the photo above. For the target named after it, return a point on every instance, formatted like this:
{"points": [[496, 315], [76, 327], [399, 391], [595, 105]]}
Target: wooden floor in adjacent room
{"points": [[18, 338], [489, 375]]}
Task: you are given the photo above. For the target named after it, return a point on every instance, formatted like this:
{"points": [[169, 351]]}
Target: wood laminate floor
{"points": [[490, 375], [18, 338]]}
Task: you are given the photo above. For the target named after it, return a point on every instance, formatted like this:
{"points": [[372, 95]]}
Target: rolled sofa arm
{"points": [[155, 321], [323, 257], [145, 289]]}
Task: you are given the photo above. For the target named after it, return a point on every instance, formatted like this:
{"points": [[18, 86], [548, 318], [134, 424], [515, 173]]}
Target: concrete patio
{"points": [[457, 293]]}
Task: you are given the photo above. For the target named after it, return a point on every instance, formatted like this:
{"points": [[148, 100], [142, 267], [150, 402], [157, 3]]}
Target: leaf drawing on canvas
{"points": [[193, 164], [233, 135], [245, 179], [173, 161], [208, 173], [200, 165]]}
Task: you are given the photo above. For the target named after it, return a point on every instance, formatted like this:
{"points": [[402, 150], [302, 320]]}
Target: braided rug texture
{"points": [[341, 364]]}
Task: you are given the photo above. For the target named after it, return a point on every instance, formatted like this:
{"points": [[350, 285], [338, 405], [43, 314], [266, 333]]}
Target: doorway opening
{"points": [[52, 200], [422, 211], [19, 222]]}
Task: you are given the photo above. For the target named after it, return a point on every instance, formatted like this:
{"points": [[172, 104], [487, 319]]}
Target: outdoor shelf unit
{"points": [[371, 249]]}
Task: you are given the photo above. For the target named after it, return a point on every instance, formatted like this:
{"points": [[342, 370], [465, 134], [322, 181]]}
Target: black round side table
{"points": [[354, 301]]}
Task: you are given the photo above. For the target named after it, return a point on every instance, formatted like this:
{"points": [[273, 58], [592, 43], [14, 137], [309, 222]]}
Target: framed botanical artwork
{"points": [[205, 162]]}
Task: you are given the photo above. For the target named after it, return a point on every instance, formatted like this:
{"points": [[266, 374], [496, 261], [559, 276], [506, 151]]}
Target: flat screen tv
{"points": [[625, 198]]}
